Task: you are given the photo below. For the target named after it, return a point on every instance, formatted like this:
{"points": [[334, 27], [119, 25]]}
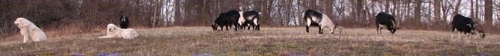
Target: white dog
{"points": [[114, 31], [29, 30]]}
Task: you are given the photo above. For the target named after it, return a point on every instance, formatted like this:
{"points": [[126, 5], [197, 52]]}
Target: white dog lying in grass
{"points": [[29, 30], [114, 31]]}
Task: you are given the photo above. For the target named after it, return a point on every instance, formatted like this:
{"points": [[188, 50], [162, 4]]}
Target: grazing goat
{"points": [[250, 19], [465, 25], [227, 19], [314, 18], [384, 19]]}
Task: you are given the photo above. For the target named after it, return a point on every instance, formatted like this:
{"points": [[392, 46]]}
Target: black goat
{"points": [[227, 19], [465, 25], [384, 19], [124, 22]]}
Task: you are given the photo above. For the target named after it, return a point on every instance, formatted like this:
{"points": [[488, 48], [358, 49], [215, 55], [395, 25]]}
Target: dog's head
{"points": [[21, 22], [112, 28]]}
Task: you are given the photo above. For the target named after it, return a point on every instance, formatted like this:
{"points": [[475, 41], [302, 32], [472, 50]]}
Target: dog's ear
{"points": [[109, 29], [116, 28], [24, 22], [113, 28]]}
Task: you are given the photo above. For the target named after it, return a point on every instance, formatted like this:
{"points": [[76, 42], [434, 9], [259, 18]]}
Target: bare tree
{"points": [[417, 10], [457, 7], [437, 10], [488, 10]]}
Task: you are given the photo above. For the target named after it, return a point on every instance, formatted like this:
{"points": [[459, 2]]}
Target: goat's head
{"points": [[480, 30], [214, 26], [394, 27]]}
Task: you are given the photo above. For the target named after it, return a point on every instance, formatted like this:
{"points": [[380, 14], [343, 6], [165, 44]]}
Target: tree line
{"points": [[88, 15]]}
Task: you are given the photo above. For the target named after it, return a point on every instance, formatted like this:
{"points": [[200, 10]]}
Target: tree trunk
{"points": [[416, 20], [155, 6], [472, 9], [488, 9], [359, 10], [386, 6], [455, 12], [437, 10], [438, 19], [477, 10]]}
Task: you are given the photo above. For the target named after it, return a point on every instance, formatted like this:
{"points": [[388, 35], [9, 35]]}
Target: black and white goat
{"points": [[465, 25], [314, 18], [229, 18], [124, 22], [249, 19], [384, 19]]}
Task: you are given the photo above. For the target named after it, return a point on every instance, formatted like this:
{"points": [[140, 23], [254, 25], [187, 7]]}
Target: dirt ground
{"points": [[200, 41]]}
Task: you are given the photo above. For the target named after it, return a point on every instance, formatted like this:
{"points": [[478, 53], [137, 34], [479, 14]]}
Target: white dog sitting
{"points": [[114, 31], [29, 30]]}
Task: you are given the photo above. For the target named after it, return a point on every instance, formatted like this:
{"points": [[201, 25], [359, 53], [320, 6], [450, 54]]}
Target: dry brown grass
{"points": [[269, 41]]}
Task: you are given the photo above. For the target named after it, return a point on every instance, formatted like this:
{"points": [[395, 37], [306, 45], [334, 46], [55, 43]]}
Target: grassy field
{"points": [[188, 41]]}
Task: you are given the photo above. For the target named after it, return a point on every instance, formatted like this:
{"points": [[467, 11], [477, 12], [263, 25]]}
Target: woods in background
{"points": [[86, 15]]}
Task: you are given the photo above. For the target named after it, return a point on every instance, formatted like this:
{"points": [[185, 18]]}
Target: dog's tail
{"points": [[107, 36]]}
